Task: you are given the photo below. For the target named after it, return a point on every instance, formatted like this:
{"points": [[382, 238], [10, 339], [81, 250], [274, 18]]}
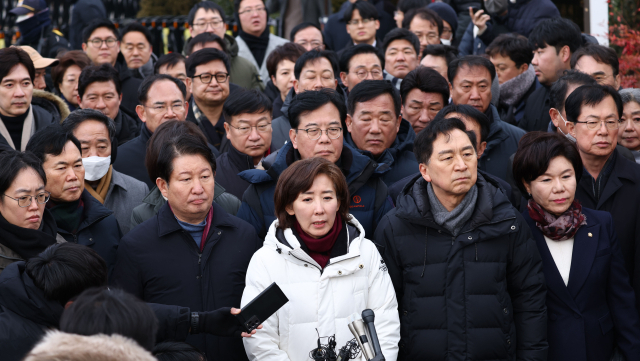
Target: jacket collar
{"points": [[93, 212], [622, 169], [168, 224], [496, 134], [240, 160]]}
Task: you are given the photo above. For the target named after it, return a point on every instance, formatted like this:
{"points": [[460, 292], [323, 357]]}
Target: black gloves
{"points": [[219, 323]]}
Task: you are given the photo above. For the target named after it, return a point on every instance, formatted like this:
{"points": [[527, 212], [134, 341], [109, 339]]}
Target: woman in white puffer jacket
{"points": [[323, 264]]}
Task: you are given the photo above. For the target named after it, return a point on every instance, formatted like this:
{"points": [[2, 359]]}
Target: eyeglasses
{"points": [[244, 130], [314, 44], [357, 22], [445, 33], [376, 74], [611, 124], [428, 36], [600, 77], [25, 201], [139, 46], [213, 23], [249, 11], [206, 77], [316, 133], [163, 109], [97, 43]]}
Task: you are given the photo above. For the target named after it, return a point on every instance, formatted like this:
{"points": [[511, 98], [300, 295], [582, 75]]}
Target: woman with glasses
{"points": [[318, 255], [590, 303], [629, 132], [26, 227]]}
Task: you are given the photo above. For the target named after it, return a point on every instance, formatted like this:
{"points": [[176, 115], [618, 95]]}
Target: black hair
{"points": [[96, 24], [426, 80], [370, 89], [303, 26], [185, 145], [366, 9], [136, 26], [535, 152], [245, 101], [424, 14], [470, 112], [287, 51], [236, 8], [207, 5], [311, 100], [423, 144], [512, 45], [401, 34], [147, 83], [51, 140], [169, 60], [204, 56], [64, 270], [558, 91], [177, 351], [407, 5], [314, 55], [12, 56], [449, 53], [350, 52], [470, 61], [591, 95], [98, 74], [599, 53], [556, 32], [203, 39], [78, 116], [111, 311], [12, 162]]}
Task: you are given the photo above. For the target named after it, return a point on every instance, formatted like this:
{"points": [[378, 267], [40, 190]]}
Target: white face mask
{"points": [[569, 136], [445, 41], [95, 167]]}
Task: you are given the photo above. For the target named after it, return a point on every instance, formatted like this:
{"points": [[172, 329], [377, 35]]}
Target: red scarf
{"points": [[320, 248], [558, 228]]}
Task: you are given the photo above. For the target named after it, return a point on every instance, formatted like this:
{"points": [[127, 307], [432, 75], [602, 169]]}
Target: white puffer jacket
{"points": [[319, 299]]}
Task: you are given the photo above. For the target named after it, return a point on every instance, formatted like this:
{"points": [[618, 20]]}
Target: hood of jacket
{"points": [[232, 45], [492, 205], [288, 246], [403, 143], [58, 345], [51, 103], [20, 295], [496, 133]]}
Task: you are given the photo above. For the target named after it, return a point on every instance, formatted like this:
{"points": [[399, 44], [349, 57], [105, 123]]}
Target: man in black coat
{"points": [[248, 127], [467, 274], [610, 182], [192, 253], [83, 12], [553, 41]]}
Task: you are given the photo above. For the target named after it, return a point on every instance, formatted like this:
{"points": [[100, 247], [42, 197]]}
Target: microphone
{"points": [[368, 316], [358, 330]]}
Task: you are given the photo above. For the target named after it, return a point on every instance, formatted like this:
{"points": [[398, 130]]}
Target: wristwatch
{"points": [[195, 319]]}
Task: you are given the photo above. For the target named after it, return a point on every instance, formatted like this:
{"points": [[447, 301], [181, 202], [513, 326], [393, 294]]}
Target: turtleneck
{"points": [[14, 126], [257, 44]]}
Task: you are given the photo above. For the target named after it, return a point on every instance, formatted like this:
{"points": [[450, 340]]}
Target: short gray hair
{"points": [[630, 95]]}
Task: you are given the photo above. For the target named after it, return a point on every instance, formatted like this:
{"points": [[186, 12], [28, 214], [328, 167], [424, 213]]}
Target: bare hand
{"points": [[235, 311], [479, 19]]}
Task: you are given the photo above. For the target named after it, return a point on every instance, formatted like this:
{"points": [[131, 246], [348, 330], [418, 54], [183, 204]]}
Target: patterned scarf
{"points": [[558, 228]]}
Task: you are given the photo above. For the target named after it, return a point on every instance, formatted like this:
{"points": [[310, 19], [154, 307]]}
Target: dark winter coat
{"points": [[369, 201], [98, 230], [595, 311], [514, 113], [153, 201], [25, 313], [536, 112], [502, 142], [621, 198], [129, 85], [477, 296], [159, 262], [127, 127], [398, 158], [130, 160], [83, 12], [312, 11], [228, 167]]}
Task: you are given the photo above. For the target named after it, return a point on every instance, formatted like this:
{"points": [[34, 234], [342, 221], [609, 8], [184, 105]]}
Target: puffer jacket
{"points": [[502, 142], [369, 200], [355, 279], [399, 157], [478, 296]]}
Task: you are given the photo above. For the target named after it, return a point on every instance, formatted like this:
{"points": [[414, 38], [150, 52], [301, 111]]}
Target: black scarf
{"points": [[257, 44], [27, 242], [68, 215]]}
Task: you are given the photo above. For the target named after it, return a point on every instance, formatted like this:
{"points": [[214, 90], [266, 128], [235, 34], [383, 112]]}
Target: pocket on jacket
{"points": [[606, 323]]}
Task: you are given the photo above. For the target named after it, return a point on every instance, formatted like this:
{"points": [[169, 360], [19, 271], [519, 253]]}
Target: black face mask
{"points": [[32, 27], [496, 7]]}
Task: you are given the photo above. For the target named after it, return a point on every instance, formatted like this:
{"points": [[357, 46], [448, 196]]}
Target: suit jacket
{"points": [[595, 311]]}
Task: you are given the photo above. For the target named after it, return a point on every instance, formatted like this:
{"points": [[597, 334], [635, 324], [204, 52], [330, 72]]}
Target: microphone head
{"points": [[368, 316]]}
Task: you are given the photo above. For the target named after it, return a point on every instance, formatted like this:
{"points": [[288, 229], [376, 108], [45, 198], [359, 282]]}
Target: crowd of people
{"points": [[467, 171]]}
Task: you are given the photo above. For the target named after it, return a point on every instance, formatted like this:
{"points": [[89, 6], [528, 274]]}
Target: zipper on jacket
{"points": [[476, 244], [291, 254], [200, 258]]}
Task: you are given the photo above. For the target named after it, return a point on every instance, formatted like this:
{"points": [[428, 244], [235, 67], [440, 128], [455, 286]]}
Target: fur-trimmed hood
{"points": [[58, 345], [51, 103]]}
